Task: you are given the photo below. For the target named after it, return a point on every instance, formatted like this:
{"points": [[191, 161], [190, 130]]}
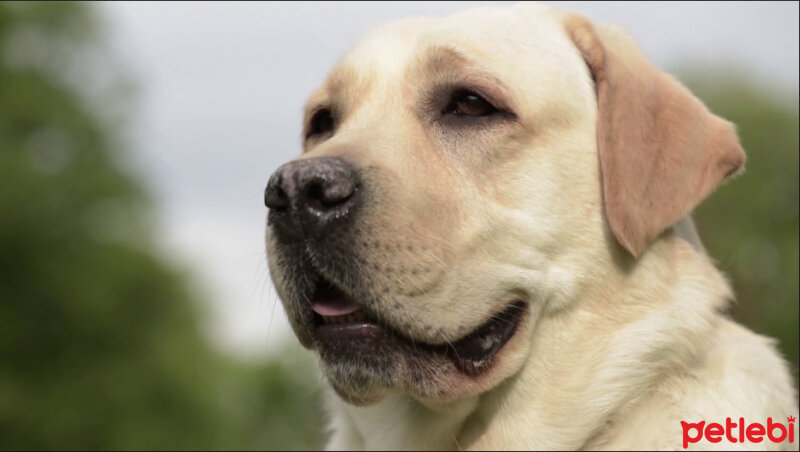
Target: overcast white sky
{"points": [[222, 85]]}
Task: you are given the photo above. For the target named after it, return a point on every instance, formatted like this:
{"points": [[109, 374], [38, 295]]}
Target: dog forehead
{"points": [[388, 48], [491, 35]]}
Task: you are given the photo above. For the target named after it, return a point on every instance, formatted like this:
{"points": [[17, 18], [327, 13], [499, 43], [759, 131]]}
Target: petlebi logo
{"points": [[739, 432]]}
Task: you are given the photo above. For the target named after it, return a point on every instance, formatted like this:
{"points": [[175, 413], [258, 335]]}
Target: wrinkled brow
{"points": [[435, 59], [442, 65]]}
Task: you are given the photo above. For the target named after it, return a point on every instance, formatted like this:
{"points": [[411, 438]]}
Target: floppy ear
{"points": [[661, 151]]}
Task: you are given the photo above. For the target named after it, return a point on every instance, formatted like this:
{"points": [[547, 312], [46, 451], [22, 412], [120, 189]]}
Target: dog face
{"points": [[460, 182]]}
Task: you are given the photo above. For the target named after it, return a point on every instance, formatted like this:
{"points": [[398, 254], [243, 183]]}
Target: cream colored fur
{"points": [[616, 350]]}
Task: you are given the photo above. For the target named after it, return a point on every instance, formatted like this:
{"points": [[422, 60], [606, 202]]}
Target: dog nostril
{"points": [[322, 196], [315, 195], [276, 198]]}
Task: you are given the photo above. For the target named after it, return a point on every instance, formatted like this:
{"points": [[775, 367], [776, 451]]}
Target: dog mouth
{"points": [[343, 325]]}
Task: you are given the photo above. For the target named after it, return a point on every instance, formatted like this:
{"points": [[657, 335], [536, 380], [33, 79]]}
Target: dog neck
{"points": [[586, 367]]}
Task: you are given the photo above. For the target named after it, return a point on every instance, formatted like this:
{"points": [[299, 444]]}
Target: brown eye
{"points": [[321, 123], [467, 103]]}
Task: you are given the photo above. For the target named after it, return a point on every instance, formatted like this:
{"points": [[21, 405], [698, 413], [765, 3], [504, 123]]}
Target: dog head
{"points": [[462, 179]]}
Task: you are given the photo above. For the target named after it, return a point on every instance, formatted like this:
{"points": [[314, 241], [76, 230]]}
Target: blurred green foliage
{"points": [[100, 345], [100, 341]]}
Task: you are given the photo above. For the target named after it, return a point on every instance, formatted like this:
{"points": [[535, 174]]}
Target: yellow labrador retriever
{"points": [[486, 241]]}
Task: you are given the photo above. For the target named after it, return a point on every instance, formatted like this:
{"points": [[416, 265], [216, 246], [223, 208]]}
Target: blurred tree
{"points": [[100, 345], [750, 225]]}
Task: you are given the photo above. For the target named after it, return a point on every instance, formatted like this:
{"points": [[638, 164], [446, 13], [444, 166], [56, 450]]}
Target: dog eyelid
{"points": [[465, 102]]}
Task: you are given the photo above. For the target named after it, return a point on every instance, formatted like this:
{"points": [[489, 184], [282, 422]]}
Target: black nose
{"points": [[308, 197]]}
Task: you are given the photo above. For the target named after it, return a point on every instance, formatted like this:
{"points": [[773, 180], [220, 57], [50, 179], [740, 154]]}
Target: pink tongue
{"points": [[334, 307]]}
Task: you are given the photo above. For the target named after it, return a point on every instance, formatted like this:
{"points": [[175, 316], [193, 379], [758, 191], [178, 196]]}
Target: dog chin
{"points": [[365, 373]]}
